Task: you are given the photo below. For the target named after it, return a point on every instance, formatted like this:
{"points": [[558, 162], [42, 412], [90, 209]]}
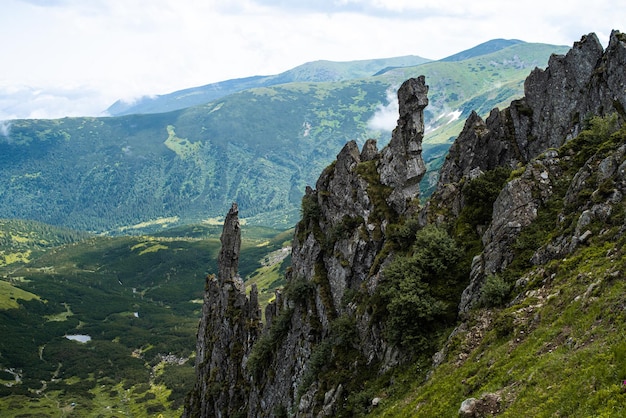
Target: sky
{"points": [[77, 57]]}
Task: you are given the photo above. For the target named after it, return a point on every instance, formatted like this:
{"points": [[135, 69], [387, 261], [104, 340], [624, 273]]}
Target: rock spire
{"points": [[401, 165], [228, 326]]}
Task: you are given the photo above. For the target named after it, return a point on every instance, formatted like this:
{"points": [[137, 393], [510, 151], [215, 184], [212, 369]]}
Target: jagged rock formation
{"points": [[402, 166], [227, 329], [335, 251], [586, 81], [335, 248], [344, 238], [558, 100]]}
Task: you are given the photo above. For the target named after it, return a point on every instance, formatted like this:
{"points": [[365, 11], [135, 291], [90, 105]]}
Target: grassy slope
{"points": [[559, 351], [316, 71]]}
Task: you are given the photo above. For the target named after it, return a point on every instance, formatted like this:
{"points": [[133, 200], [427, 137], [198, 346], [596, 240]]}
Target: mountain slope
{"points": [[316, 71], [485, 48]]}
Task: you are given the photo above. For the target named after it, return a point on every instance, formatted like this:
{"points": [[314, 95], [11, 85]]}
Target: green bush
{"points": [[418, 290], [494, 292], [403, 234], [264, 348], [504, 325], [299, 290], [318, 362], [481, 192], [599, 135], [310, 209]]}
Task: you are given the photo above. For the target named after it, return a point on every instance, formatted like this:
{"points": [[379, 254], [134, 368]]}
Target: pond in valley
{"points": [[81, 338]]}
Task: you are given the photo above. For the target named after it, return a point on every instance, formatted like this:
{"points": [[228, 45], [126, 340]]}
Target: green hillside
{"points": [[316, 71], [20, 239], [137, 298], [259, 147]]}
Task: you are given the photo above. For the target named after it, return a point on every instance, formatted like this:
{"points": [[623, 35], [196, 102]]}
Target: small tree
{"points": [[410, 292], [494, 292]]}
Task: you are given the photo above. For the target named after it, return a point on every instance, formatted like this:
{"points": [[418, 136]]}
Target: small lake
{"points": [[81, 338]]}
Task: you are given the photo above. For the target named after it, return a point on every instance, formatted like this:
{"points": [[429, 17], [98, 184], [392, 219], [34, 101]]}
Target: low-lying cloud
{"points": [[385, 117], [5, 128], [26, 102], [5, 131]]}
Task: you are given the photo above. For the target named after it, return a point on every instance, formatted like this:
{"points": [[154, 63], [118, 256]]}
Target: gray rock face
{"points": [[228, 327], [515, 208], [482, 145], [586, 81], [556, 99], [228, 259], [401, 165], [335, 247]]}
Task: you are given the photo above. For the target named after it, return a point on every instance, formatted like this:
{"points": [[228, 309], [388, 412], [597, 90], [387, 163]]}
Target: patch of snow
{"points": [[455, 115]]}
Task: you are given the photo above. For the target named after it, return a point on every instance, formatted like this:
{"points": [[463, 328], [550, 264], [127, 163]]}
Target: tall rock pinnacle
{"points": [[228, 260], [401, 166], [228, 327]]}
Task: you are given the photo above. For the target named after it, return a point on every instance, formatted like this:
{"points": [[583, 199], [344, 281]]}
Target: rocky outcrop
{"points": [[401, 165], [515, 208], [228, 327], [487, 405], [334, 255], [345, 237], [558, 100]]}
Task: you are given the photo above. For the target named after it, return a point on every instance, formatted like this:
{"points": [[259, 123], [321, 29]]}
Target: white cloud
{"points": [[5, 129], [18, 102], [386, 116]]}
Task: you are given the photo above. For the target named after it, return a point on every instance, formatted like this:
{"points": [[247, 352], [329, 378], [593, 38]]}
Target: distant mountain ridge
{"points": [[485, 48], [316, 71]]}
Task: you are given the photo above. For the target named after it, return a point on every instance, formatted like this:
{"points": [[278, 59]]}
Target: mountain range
{"points": [[439, 272], [258, 146], [502, 295]]}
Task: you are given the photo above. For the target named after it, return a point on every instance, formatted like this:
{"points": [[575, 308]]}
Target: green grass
{"points": [[10, 295], [271, 275], [564, 356]]}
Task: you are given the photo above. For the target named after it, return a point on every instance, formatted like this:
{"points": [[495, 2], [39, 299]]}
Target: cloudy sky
{"points": [[77, 57]]}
